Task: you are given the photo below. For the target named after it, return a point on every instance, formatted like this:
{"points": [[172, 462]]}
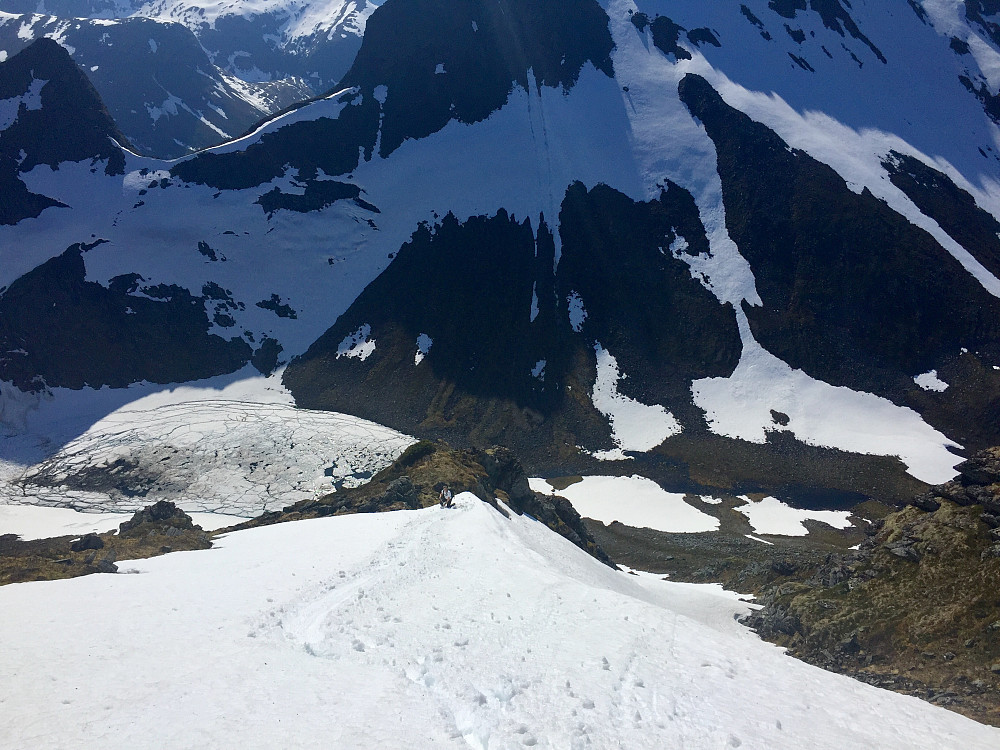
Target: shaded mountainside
{"points": [[504, 358], [52, 114], [58, 329], [416, 478], [916, 608]]}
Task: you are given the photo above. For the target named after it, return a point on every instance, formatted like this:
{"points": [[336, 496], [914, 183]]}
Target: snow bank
{"points": [[635, 426]]}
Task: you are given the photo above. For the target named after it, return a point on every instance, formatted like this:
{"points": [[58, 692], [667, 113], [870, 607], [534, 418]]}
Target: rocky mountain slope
{"points": [[587, 230], [915, 609]]}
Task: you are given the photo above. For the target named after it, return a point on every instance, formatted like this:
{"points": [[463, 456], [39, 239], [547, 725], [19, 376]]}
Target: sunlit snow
{"points": [[635, 426], [633, 501], [930, 381], [771, 516], [819, 414]]}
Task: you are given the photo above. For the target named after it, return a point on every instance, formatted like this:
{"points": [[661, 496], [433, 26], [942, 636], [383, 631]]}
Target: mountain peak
{"points": [[49, 114]]}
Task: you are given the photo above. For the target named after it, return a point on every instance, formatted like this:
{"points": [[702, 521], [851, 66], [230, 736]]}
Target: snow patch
{"points": [[30, 100], [930, 381], [819, 414], [538, 371], [634, 501], [357, 344], [577, 313], [771, 516], [635, 426], [424, 343]]}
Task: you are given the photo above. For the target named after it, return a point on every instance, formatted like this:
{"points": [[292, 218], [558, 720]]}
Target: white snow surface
{"points": [[31, 99], [771, 516], [301, 18], [635, 426], [577, 312], [434, 628], [930, 381], [819, 414], [424, 343], [634, 501]]}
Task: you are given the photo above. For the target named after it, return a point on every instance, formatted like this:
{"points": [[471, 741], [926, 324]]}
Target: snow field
{"points": [[432, 628], [634, 501]]}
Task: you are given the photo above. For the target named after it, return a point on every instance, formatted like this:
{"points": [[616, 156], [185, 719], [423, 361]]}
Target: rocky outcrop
{"points": [[915, 608], [416, 478], [155, 530], [162, 515]]}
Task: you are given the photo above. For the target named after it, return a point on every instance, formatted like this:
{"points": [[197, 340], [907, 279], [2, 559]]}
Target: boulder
{"points": [[163, 513], [86, 542]]}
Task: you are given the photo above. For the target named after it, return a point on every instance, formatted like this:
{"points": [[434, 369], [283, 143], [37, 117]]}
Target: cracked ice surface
{"points": [[217, 456]]}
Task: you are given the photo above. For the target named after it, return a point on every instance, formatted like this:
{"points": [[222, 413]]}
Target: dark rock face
{"points": [[485, 48], [439, 60], [666, 34], [954, 209], [664, 328], [505, 361], [835, 15], [70, 125], [59, 329], [853, 293], [317, 195]]}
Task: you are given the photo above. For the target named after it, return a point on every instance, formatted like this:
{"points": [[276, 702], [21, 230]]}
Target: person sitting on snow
{"points": [[445, 498]]}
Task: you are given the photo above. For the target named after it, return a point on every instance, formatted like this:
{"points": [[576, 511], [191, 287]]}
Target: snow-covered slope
{"points": [[433, 628], [577, 216]]}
